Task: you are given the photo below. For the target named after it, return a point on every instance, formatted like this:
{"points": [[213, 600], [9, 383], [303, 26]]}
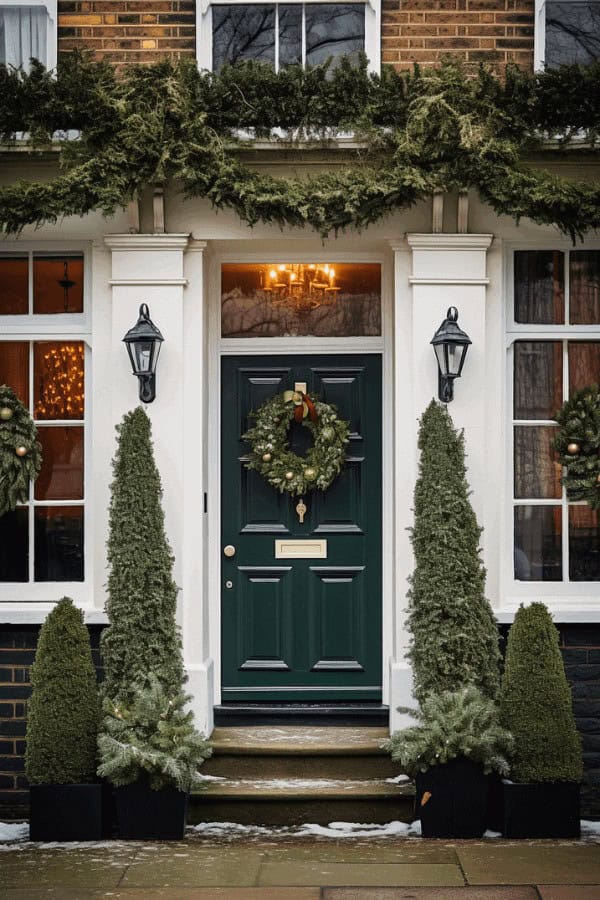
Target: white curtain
{"points": [[23, 32]]}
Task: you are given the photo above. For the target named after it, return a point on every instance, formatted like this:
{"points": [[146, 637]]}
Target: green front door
{"points": [[302, 629]]}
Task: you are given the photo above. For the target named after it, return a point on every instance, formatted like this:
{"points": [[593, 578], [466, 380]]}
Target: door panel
{"points": [[302, 629]]}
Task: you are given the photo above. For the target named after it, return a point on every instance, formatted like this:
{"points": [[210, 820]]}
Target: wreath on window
{"points": [[578, 445], [281, 467], [20, 451]]}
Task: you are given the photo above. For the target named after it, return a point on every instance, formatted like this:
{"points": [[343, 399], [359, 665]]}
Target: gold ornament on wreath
{"points": [[20, 451], [270, 454]]}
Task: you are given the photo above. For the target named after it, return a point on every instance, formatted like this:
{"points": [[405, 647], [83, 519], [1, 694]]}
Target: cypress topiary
{"points": [[142, 596], [64, 709], [454, 638], [535, 701]]}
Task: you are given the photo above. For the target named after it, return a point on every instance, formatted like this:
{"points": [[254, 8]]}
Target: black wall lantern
{"points": [[143, 345], [450, 344]]}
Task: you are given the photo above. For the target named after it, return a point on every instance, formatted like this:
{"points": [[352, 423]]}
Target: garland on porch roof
{"points": [[421, 132]]}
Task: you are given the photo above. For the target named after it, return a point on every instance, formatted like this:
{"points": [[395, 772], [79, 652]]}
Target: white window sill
{"points": [[16, 614]]}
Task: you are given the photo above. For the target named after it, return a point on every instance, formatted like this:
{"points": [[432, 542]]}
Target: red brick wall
{"points": [[128, 30], [490, 31]]}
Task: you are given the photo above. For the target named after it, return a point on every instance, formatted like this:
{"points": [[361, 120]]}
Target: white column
{"points": [[445, 270], [149, 268]]}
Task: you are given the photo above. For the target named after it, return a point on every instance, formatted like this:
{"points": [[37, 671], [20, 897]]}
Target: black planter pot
{"points": [[549, 810], [456, 807], [494, 817], [147, 815], [65, 812]]}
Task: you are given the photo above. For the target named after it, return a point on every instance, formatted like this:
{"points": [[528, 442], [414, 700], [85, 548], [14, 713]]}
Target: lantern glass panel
{"points": [[440, 352]]}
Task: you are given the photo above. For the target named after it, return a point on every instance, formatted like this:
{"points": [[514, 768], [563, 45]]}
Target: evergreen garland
{"points": [[578, 445], [280, 466], [421, 132], [64, 710], [152, 736], [454, 637], [142, 638], [535, 701], [20, 451], [453, 724]]}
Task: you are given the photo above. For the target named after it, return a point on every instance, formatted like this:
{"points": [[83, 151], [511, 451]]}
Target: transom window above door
{"points": [[567, 32], [284, 34], [28, 30], [314, 299]]}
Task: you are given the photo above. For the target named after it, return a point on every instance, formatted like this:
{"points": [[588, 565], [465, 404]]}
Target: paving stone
{"points": [[530, 863], [93, 868], [433, 893], [302, 872], [210, 893], [569, 892], [192, 867], [356, 851]]}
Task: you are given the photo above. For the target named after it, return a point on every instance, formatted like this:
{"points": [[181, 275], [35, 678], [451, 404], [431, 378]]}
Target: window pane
{"points": [[333, 29], [243, 32], [538, 553], [58, 379], [294, 299], [290, 35], [14, 368], [61, 475], [59, 543], [584, 544], [539, 287], [14, 545], [23, 35], [572, 32], [584, 364], [538, 379], [537, 472], [584, 290], [14, 287], [58, 284]]}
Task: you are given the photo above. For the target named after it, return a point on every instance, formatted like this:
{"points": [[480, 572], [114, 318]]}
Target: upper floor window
{"points": [[555, 348], [567, 32], [283, 34], [43, 358], [28, 30]]}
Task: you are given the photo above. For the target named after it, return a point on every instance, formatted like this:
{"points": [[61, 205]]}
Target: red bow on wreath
{"points": [[304, 405]]}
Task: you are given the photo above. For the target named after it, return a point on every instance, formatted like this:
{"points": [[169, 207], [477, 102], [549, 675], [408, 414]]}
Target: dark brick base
{"points": [[580, 646], [17, 651]]}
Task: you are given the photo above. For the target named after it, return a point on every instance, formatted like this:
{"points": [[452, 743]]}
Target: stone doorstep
{"points": [[299, 740], [305, 789]]}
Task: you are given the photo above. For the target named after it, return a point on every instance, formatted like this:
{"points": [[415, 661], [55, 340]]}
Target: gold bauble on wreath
{"points": [[310, 474], [6, 413], [573, 448], [266, 457], [289, 475], [21, 451]]}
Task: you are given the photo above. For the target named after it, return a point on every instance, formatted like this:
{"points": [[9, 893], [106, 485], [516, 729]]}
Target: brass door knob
{"points": [[229, 550]]}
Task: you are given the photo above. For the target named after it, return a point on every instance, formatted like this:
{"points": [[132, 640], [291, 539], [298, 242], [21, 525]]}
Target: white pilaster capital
{"points": [[130, 242], [449, 241]]}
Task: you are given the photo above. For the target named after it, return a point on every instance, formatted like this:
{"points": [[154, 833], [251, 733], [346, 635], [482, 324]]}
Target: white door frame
{"points": [[219, 347]]}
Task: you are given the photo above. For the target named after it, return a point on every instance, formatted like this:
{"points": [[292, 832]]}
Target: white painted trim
{"points": [[143, 282], [131, 242], [219, 347], [449, 241], [417, 280], [15, 614]]}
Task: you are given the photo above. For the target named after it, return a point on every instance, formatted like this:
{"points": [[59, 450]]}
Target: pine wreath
{"points": [[20, 451], [578, 445], [280, 466]]}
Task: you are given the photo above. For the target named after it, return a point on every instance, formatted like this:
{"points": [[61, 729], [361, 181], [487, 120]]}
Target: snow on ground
{"points": [[13, 831]]}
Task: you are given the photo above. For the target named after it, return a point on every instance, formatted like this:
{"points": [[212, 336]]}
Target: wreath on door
{"points": [[578, 445], [271, 456], [20, 451]]}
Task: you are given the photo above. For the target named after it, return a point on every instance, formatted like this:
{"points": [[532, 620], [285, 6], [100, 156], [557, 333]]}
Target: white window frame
{"points": [[74, 327], [204, 43], [51, 31], [539, 35], [568, 598]]}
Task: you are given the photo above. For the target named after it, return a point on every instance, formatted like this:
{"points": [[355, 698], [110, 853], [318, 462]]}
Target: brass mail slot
{"points": [[302, 549]]}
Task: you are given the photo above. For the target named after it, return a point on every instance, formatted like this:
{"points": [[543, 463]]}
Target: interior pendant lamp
{"points": [[450, 344], [143, 343]]}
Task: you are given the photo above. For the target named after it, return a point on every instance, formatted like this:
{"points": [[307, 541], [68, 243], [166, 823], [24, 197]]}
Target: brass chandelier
{"points": [[302, 287]]}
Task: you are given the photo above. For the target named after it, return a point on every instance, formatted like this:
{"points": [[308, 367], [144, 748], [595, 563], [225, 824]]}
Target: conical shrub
{"points": [[454, 636], [64, 709], [142, 638], [535, 701]]}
